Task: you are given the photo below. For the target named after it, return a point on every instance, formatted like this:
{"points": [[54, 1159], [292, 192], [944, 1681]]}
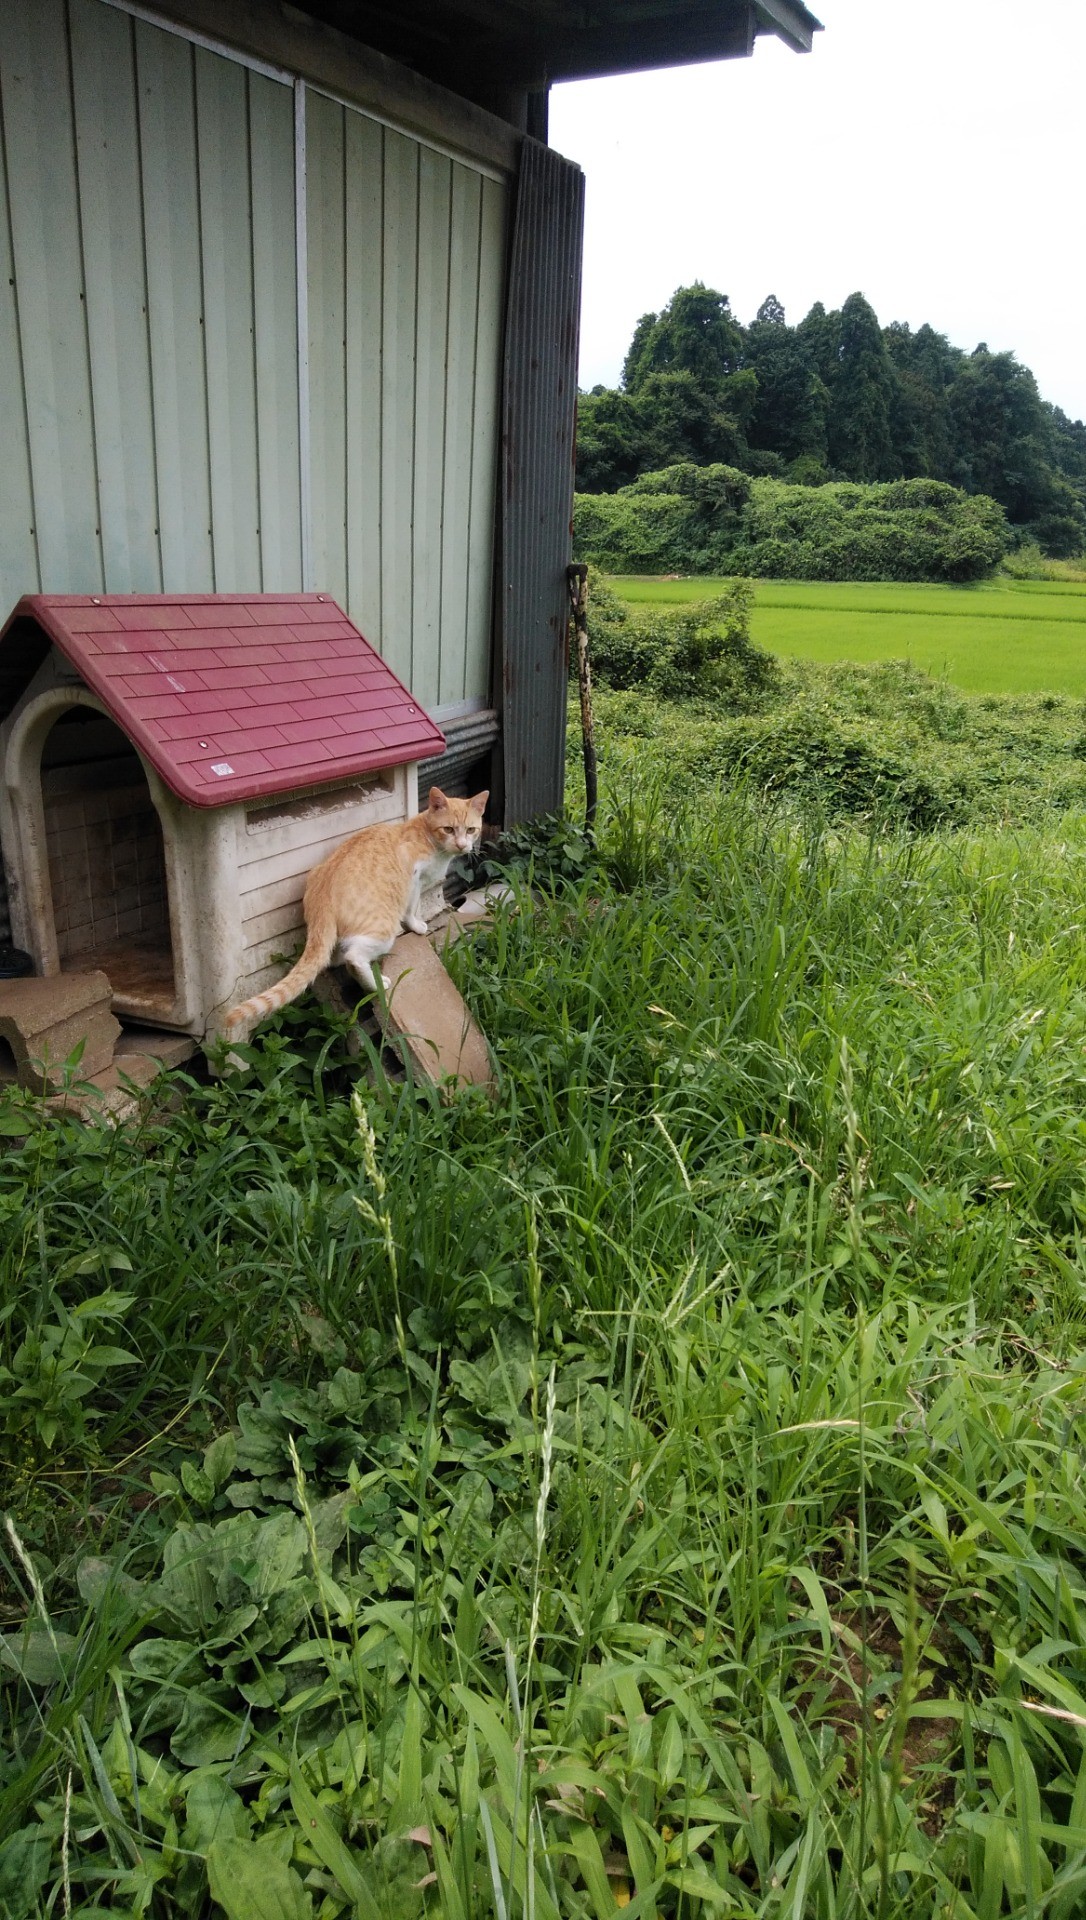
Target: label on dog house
{"points": [[171, 767]]}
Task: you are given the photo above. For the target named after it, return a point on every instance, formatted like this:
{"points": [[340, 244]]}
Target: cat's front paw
{"points": [[386, 983], [413, 923]]}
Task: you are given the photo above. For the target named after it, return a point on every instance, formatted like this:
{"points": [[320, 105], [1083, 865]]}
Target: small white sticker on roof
{"points": [[221, 767]]}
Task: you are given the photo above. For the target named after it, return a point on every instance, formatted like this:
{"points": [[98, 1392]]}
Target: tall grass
{"points": [[659, 1491]]}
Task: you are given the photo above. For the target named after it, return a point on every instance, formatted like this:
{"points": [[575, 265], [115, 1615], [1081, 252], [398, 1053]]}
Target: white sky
{"points": [[929, 155]]}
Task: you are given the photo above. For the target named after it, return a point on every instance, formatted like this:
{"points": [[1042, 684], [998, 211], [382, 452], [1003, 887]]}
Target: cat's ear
{"points": [[478, 801], [438, 802]]}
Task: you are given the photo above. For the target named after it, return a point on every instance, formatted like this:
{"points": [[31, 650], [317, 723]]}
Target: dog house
{"points": [[171, 767]]}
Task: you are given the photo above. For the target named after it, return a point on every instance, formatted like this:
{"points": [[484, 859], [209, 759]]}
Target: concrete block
{"points": [[43, 1021]]}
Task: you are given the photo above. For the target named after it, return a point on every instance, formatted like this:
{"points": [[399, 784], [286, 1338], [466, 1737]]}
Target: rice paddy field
{"points": [[1006, 636]]}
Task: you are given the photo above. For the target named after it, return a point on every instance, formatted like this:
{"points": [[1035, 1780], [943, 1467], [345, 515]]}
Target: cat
{"points": [[360, 895]]}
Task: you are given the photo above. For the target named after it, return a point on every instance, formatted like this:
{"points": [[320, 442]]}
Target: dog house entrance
{"points": [[107, 863]]}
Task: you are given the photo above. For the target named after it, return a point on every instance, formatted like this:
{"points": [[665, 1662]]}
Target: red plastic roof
{"points": [[234, 696]]}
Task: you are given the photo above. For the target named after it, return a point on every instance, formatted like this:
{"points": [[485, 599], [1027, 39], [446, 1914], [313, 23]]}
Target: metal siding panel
{"points": [[44, 202], [327, 326], [107, 149], [18, 545], [275, 298], [405, 384], [537, 475], [431, 385], [226, 235], [364, 185], [170, 180], [459, 415], [400, 257], [182, 204], [126, 439]]}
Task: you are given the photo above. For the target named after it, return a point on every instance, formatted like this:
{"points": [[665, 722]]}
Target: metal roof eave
{"points": [[790, 21], [700, 33], [473, 45]]}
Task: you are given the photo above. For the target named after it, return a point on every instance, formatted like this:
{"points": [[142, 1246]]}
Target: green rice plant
{"points": [[1004, 636]]}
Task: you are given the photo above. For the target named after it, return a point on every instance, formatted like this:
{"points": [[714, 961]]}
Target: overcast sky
{"points": [[930, 156]]}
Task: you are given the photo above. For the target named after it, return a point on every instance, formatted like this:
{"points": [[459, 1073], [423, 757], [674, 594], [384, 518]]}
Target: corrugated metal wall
{"points": [[538, 425], [154, 407]]}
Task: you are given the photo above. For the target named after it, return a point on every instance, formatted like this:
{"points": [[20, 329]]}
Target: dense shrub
{"points": [[849, 777], [1025, 561], [885, 741], [716, 520], [744, 714], [702, 649]]}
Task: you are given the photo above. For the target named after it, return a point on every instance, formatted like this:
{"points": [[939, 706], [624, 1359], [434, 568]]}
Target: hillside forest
{"points": [[836, 398]]}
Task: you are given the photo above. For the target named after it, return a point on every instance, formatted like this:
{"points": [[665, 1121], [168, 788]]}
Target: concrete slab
{"points": [[448, 927], [162, 1048], [476, 909], [38, 1003], [43, 1021], [114, 1094], [426, 1012]]}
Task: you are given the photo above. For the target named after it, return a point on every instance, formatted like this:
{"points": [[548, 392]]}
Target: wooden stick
{"points": [[577, 583]]}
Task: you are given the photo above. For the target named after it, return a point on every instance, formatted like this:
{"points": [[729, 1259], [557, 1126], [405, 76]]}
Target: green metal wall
{"points": [[405, 295], [162, 424]]}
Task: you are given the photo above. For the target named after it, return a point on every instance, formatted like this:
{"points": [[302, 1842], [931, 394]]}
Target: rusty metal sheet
{"points": [[537, 452]]}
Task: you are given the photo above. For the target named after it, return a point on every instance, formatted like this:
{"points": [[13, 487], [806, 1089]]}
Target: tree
{"points": [[636, 350], [861, 397], [925, 365], [696, 333], [1069, 441], [837, 395], [819, 335], [686, 396], [789, 412], [680, 420], [610, 443], [770, 313], [1005, 445], [667, 419]]}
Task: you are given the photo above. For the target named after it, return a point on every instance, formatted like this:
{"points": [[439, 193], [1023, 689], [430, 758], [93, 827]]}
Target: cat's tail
{"points": [[315, 956]]}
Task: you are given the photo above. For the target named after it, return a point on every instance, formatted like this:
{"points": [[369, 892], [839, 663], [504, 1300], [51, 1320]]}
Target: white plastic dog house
{"points": [[171, 767]]}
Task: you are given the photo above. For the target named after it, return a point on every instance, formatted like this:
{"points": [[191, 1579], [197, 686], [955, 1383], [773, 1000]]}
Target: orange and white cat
{"points": [[361, 894]]}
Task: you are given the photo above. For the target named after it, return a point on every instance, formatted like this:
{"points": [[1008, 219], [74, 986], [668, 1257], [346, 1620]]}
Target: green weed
{"points": [[661, 1493]]}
